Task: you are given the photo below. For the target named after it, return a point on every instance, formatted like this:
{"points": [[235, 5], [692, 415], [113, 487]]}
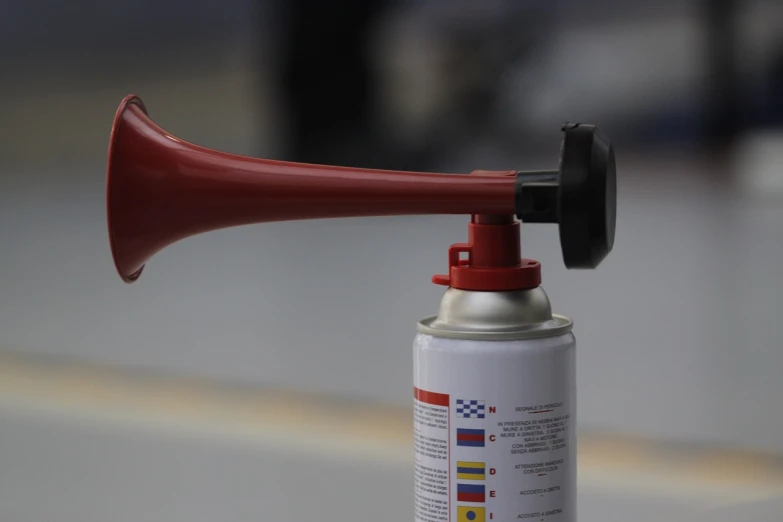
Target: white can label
{"points": [[494, 430]]}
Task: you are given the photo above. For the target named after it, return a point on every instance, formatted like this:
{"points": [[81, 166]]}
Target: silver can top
{"points": [[518, 314]]}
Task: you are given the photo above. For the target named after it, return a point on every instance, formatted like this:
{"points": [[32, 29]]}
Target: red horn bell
{"points": [[161, 189]]}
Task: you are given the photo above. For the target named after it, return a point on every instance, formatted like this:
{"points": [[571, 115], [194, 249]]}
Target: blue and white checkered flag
{"points": [[469, 409]]}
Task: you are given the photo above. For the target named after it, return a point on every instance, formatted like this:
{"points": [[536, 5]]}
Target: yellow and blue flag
{"points": [[470, 514], [471, 470]]}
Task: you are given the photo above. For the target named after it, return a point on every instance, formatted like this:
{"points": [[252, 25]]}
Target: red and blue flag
{"points": [[470, 437], [470, 493]]}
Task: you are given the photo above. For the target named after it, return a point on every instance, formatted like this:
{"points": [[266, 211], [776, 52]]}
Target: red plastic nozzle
{"points": [[493, 258]]}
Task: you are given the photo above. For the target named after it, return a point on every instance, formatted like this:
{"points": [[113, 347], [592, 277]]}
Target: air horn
{"points": [[494, 370]]}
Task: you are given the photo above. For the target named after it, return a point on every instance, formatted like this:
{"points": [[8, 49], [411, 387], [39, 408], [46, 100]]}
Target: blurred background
{"points": [[264, 373]]}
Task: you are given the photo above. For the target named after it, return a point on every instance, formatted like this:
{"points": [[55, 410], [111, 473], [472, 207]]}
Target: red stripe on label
{"points": [[462, 436], [438, 399], [470, 497]]}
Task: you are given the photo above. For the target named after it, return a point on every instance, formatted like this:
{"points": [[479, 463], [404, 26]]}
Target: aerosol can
{"points": [[494, 383], [495, 404]]}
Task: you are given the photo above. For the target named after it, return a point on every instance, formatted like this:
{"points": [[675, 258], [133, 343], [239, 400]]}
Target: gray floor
{"points": [[74, 466]]}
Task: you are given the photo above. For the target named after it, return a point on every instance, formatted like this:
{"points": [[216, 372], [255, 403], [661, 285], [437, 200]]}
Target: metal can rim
{"points": [[559, 325]]}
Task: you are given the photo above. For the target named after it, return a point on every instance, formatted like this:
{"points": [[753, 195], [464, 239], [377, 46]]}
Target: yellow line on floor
{"points": [[77, 387]]}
